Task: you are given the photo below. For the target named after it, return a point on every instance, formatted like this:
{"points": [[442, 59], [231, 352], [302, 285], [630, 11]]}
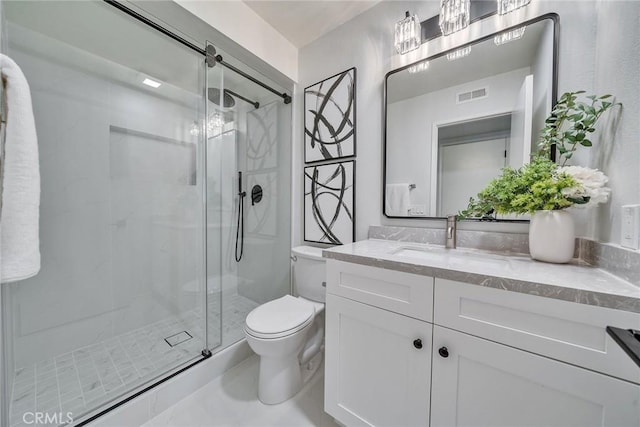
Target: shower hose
{"points": [[240, 227]]}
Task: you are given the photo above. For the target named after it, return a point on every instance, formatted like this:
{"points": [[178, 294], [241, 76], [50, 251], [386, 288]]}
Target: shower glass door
{"points": [[249, 133], [120, 299]]}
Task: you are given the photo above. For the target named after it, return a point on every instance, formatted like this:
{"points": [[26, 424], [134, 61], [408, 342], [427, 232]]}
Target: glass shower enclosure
{"points": [[140, 145]]}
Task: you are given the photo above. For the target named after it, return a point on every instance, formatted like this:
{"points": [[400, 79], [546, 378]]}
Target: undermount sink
{"points": [[452, 257]]}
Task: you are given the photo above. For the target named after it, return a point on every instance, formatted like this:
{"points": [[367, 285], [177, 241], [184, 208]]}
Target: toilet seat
{"points": [[279, 318]]}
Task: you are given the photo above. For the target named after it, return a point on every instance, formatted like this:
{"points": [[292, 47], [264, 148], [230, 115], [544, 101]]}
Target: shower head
{"points": [[214, 96], [228, 101]]}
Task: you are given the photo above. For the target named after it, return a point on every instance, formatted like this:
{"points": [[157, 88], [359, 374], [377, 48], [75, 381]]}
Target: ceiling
{"points": [[304, 21]]}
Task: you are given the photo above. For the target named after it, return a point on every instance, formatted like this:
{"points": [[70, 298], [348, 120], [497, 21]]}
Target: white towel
{"points": [[19, 214], [397, 199]]}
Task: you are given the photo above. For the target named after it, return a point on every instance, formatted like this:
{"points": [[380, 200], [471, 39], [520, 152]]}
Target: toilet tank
{"points": [[309, 273]]}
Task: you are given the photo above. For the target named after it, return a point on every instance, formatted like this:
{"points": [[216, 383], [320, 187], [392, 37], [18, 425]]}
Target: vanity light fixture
{"points": [[509, 36], [454, 15], [408, 33], [506, 6], [460, 53], [419, 67], [154, 84]]}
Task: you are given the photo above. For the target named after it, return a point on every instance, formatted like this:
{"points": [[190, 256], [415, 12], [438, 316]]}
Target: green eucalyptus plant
{"points": [[535, 186], [543, 184], [570, 122]]}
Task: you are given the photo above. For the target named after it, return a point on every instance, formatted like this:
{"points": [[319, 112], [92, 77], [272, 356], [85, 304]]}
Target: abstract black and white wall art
{"points": [[329, 118], [329, 203]]}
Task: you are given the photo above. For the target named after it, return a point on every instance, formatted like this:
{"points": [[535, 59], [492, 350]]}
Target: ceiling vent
{"points": [[472, 95]]}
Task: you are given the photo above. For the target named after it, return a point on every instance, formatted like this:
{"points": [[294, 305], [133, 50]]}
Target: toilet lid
{"points": [[279, 317]]}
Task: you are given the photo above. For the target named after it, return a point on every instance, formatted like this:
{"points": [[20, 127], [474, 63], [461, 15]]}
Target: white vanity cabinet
{"points": [[477, 382], [505, 358], [378, 361], [488, 357], [561, 330]]}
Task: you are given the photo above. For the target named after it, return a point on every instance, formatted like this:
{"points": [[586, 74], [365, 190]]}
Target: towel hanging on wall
{"points": [[19, 212], [398, 199]]}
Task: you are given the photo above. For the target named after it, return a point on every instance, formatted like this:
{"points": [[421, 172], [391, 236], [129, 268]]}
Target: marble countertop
{"points": [[576, 282]]}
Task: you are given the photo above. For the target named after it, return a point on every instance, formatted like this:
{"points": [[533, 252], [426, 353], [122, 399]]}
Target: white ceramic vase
{"points": [[552, 236]]}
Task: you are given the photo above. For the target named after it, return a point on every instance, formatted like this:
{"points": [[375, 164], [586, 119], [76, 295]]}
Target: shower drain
{"points": [[179, 338]]}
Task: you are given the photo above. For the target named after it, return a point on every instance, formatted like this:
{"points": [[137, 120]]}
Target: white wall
{"points": [[240, 23], [617, 71], [413, 121], [598, 52]]}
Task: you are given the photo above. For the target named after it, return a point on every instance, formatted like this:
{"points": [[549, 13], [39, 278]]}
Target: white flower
{"points": [[592, 185]]}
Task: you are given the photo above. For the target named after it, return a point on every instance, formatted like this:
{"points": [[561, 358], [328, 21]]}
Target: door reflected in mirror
{"points": [[455, 120]]}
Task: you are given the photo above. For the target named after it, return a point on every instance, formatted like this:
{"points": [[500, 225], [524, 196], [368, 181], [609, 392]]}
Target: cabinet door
{"points": [[375, 374], [482, 383], [562, 330]]}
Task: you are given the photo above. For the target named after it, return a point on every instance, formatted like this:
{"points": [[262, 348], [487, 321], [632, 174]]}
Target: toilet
{"points": [[288, 333]]}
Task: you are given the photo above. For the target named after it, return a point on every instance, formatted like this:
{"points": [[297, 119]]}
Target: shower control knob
{"points": [[443, 351], [256, 194], [417, 343]]}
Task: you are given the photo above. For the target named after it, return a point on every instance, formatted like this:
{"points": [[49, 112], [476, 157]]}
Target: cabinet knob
{"points": [[417, 343], [443, 351]]}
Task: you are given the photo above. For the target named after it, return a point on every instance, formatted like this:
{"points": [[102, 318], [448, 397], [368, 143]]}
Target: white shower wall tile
{"points": [[88, 377]]}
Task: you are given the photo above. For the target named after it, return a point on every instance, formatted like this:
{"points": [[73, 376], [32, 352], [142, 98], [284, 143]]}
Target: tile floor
{"points": [[86, 378], [234, 313], [231, 400]]}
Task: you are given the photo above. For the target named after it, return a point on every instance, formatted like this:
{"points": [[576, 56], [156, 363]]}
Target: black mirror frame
{"points": [[554, 99]]}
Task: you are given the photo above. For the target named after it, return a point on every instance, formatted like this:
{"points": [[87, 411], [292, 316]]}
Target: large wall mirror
{"points": [[453, 121]]}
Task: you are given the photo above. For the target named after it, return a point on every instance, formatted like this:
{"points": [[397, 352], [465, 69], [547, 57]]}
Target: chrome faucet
{"points": [[452, 221]]}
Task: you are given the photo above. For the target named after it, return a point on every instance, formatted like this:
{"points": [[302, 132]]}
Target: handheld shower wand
{"points": [[240, 227]]}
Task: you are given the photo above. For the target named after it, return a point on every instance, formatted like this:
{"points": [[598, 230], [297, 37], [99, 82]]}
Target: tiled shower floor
{"points": [[88, 377]]}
